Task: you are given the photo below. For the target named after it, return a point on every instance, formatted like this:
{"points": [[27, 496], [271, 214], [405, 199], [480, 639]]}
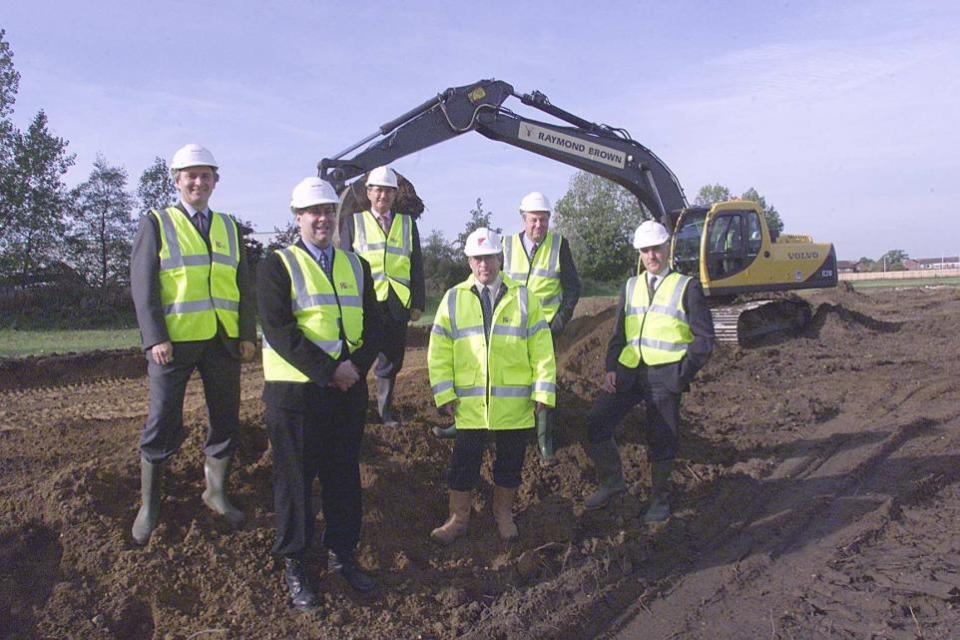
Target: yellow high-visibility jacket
{"points": [[197, 287], [543, 276], [388, 253], [320, 308], [657, 331], [496, 381]]}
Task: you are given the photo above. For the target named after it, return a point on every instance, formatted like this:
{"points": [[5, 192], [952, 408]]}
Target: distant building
{"points": [[930, 264], [846, 266]]}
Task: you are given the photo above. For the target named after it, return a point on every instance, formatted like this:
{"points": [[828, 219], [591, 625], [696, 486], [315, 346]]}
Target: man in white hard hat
{"points": [[663, 336], [188, 278], [492, 368], [390, 241], [321, 333], [541, 260]]}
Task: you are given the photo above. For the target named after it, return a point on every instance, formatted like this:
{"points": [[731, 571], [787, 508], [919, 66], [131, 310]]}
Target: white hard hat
{"points": [[483, 242], [312, 191], [650, 234], [382, 177], [192, 155], [535, 201]]}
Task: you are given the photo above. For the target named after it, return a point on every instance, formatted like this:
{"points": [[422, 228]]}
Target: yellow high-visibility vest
{"points": [[198, 287], [657, 331], [320, 307], [542, 277], [388, 253], [496, 381]]}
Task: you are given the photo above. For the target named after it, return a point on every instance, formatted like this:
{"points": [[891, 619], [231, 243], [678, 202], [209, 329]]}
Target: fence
{"points": [[924, 274]]}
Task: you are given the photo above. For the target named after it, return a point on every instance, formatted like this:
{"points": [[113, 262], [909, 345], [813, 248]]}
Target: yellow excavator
{"points": [[745, 270]]}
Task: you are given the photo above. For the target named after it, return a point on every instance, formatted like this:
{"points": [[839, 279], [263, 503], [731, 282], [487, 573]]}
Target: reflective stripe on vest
{"points": [[542, 278], [388, 254], [198, 285], [657, 331], [321, 308], [495, 381]]}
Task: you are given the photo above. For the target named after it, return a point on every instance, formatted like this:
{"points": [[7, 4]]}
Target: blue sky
{"points": [[844, 115]]}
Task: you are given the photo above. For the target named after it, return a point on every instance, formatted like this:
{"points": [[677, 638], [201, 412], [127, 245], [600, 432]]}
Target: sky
{"points": [[845, 116]]}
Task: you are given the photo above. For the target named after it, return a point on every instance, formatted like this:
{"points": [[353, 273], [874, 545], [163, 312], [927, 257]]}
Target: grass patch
{"points": [[15, 343], [909, 282]]}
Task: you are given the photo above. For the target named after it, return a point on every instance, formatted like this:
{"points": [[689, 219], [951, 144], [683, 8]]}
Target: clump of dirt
{"points": [[818, 482]]}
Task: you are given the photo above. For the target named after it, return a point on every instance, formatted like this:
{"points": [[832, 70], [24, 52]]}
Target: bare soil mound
{"points": [[817, 497]]}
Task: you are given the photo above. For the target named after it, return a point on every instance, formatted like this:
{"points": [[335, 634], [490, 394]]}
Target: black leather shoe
{"points": [[302, 596], [350, 570]]}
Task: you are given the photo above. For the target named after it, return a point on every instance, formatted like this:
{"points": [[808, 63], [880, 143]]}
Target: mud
{"points": [[818, 496]]}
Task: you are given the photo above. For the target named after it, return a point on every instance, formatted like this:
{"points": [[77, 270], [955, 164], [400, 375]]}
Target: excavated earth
{"points": [[818, 496]]}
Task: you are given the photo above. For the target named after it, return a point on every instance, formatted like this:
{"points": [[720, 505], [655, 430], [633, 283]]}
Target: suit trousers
{"points": [[162, 434], [393, 344], [464, 474], [318, 440], [662, 428]]}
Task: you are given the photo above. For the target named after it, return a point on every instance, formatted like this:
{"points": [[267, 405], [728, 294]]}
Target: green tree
{"points": [[37, 198], [598, 217], [9, 84], [478, 218], [102, 208], [253, 247], [444, 264], [892, 260], [156, 189], [712, 193], [284, 237]]}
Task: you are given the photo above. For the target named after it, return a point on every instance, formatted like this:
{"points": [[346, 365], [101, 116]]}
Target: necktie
{"points": [[487, 307], [533, 249], [325, 263], [200, 221], [652, 286]]}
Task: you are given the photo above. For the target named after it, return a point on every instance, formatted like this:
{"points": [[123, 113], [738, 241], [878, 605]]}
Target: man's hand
{"points": [[415, 314], [610, 382], [247, 350], [162, 353], [448, 409], [346, 375]]}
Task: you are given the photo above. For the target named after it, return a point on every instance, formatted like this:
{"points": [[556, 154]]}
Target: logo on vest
{"points": [[218, 244]]}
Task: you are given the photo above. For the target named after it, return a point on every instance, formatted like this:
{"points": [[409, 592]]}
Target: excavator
{"points": [[746, 271]]}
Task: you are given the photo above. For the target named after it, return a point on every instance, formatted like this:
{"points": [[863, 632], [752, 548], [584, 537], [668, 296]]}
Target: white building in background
{"points": [[928, 264]]}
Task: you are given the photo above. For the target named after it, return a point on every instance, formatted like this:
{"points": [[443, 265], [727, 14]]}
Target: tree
{"points": [[251, 246], [156, 188], [36, 196], [478, 218], [443, 264], [712, 193], [102, 208], [598, 217], [284, 237], [9, 84], [892, 260]]}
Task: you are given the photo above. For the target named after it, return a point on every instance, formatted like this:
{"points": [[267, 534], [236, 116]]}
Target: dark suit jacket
{"points": [[282, 333], [418, 289], [145, 289], [675, 377], [569, 284]]}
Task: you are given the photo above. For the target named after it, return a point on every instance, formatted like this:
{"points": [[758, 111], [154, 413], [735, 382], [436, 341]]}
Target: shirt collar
{"points": [[528, 242], [660, 276], [315, 251], [494, 286], [191, 211]]}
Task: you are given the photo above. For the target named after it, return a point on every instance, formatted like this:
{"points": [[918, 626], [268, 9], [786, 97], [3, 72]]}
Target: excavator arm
{"points": [[590, 147]]}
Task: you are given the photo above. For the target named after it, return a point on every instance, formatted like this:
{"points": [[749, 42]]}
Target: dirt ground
{"points": [[818, 496]]}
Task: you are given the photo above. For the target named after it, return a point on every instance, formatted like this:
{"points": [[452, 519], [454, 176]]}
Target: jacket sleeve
{"points": [[701, 325], [346, 233], [570, 285], [372, 325], [440, 354], [619, 339], [248, 315], [418, 288], [279, 325], [145, 283], [543, 363]]}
